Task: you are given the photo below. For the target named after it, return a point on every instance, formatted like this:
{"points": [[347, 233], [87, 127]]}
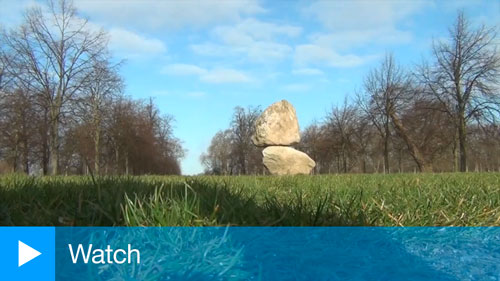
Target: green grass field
{"points": [[335, 200]]}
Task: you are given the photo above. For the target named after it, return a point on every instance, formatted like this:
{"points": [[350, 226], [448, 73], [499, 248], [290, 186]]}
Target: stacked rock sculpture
{"points": [[277, 129]]}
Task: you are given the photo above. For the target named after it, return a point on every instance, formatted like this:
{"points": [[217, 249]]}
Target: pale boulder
{"points": [[282, 160], [278, 125]]}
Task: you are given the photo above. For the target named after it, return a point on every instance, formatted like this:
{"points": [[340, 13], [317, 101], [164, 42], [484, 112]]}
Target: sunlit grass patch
{"points": [[347, 200]]}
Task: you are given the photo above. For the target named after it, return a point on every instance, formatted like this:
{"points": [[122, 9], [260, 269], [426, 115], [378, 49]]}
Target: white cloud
{"points": [[251, 29], [319, 55], [256, 51], [11, 11], [348, 15], [348, 39], [307, 71], [454, 6], [256, 40], [265, 51], [149, 14], [131, 44], [122, 41], [215, 76], [353, 24], [183, 69]]}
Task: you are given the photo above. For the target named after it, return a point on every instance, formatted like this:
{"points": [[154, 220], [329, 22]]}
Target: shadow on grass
{"points": [[162, 201]]}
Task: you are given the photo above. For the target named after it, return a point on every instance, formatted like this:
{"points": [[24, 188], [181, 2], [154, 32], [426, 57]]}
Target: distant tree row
{"points": [[231, 151], [441, 115], [62, 108]]}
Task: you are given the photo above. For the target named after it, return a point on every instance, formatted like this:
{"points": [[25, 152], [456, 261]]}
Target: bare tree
{"points": [[243, 127], [136, 139], [6, 68], [231, 151], [464, 78], [363, 136], [429, 128], [341, 124], [376, 112], [390, 90], [55, 51], [16, 126], [57, 84], [311, 139], [101, 88], [217, 160]]}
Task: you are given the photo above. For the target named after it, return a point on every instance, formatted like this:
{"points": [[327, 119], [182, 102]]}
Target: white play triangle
{"points": [[26, 253]]}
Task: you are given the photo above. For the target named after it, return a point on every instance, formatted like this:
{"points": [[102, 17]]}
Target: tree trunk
{"points": [[117, 160], [344, 157], [45, 144], [456, 166], [243, 163], [126, 163], [412, 147], [339, 165], [26, 162], [400, 160], [45, 160], [54, 147], [16, 156], [345, 162], [462, 140], [96, 116], [364, 164], [97, 143], [386, 148]]}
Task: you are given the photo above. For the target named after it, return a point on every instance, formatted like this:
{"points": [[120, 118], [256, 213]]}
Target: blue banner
{"points": [[266, 253]]}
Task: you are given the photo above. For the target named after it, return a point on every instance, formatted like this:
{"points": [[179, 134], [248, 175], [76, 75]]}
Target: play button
{"points": [[26, 253]]}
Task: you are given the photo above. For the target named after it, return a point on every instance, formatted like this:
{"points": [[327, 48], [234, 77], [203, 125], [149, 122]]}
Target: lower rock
{"points": [[283, 160]]}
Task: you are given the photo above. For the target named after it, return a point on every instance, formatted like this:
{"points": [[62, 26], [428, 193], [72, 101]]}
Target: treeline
{"points": [[62, 108], [441, 115], [231, 151]]}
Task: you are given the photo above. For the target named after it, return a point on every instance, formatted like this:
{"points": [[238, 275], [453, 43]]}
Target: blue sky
{"points": [[200, 59]]}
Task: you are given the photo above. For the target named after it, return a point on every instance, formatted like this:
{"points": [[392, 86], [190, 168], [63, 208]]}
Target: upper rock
{"points": [[278, 125]]}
